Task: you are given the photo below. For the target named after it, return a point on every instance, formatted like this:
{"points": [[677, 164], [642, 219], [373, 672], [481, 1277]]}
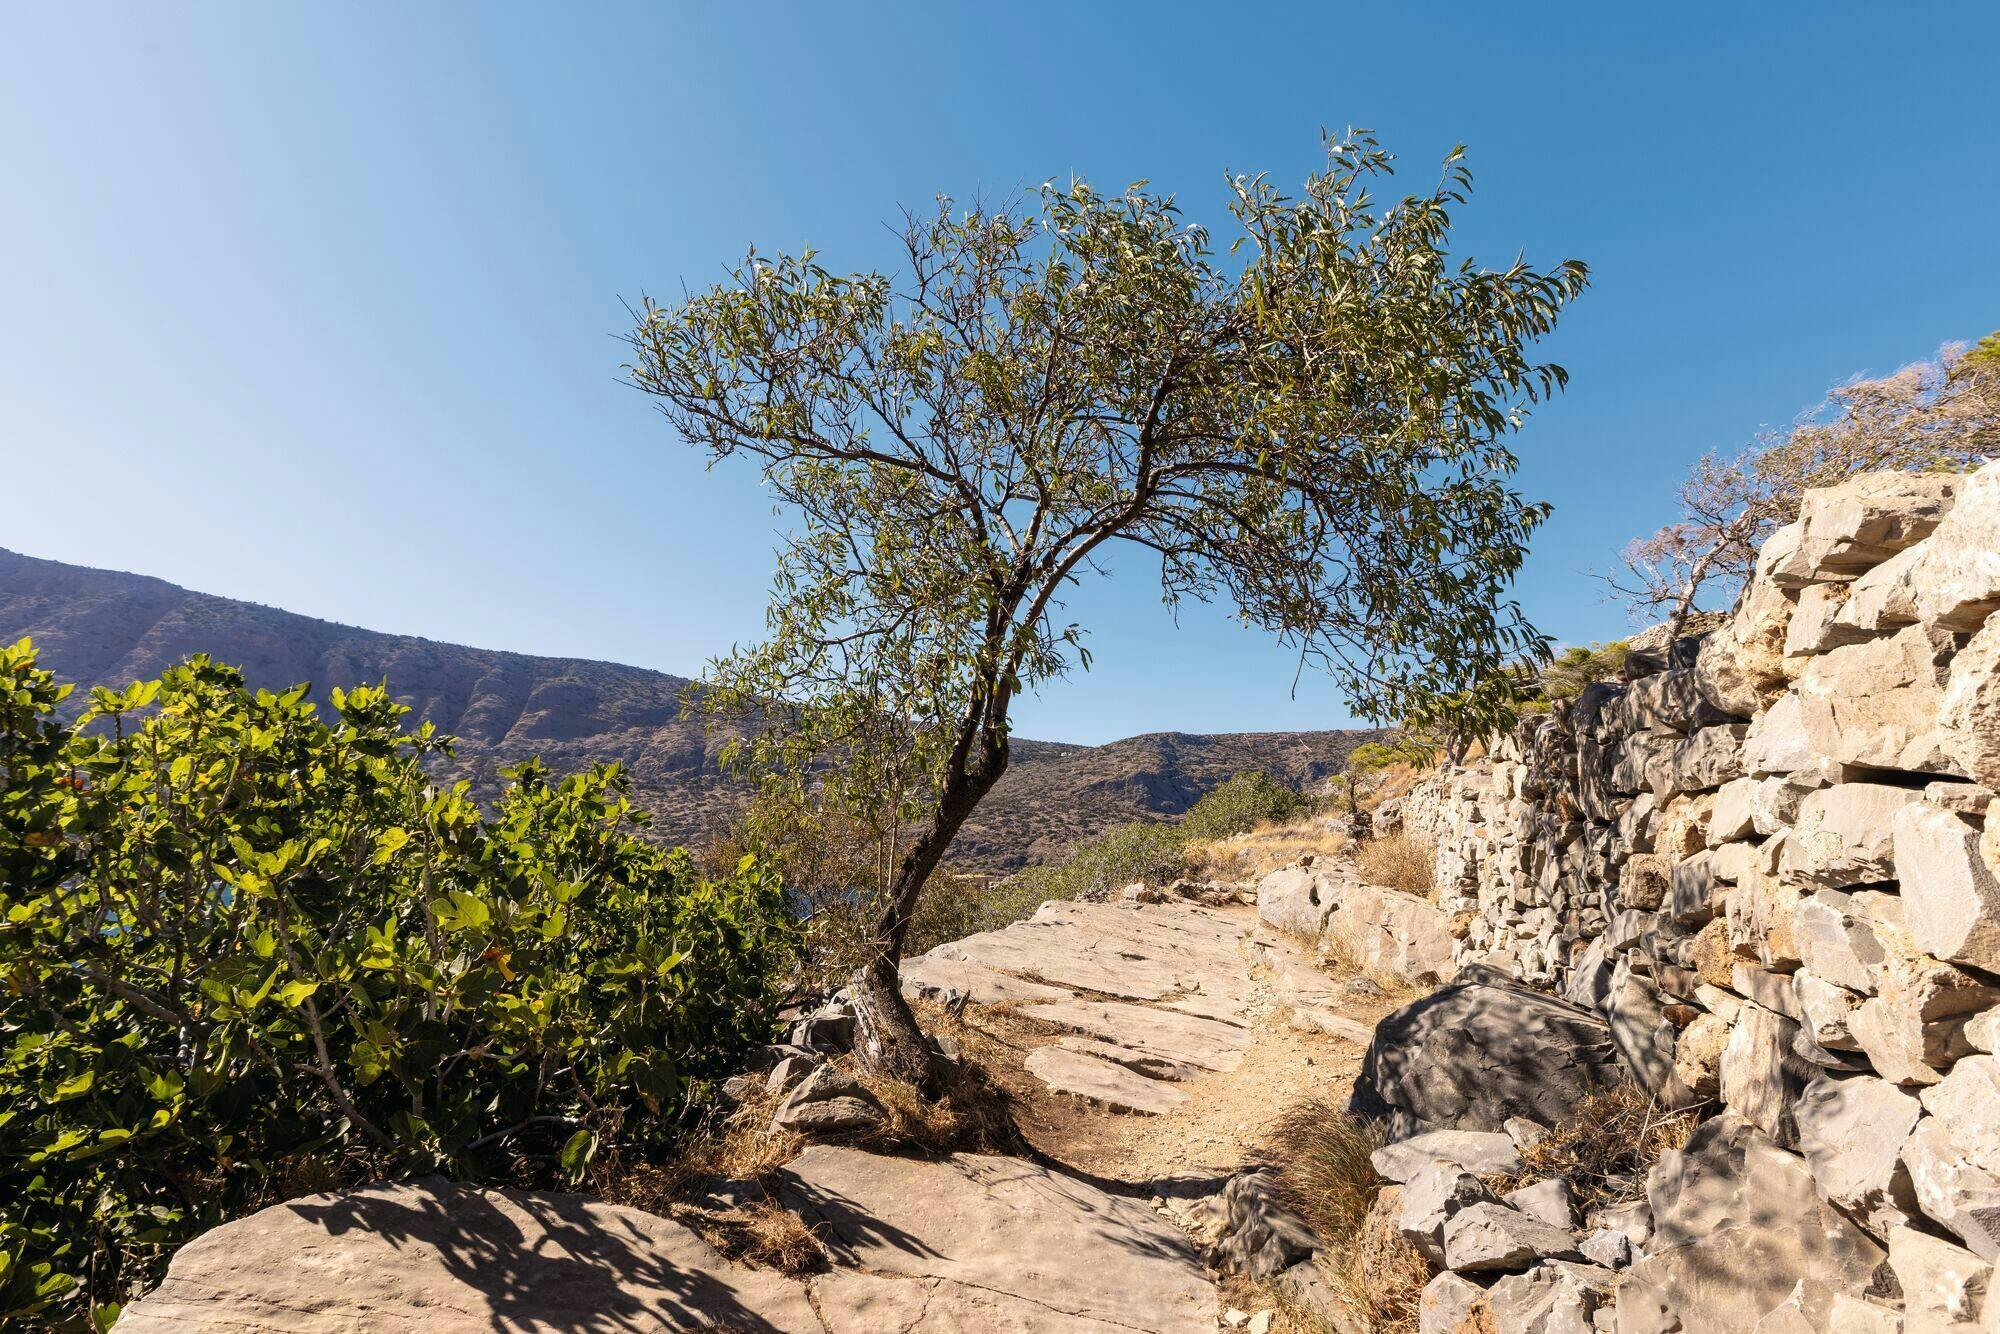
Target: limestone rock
{"points": [[1547, 1200], [1941, 1282], [1848, 529], [1265, 1234], [1969, 717], [1043, 1241], [1852, 1133], [1607, 1247], [1777, 742], [1438, 1190], [1951, 898], [829, 1102], [1878, 703], [1107, 1083], [1835, 942], [1958, 577], [1737, 1224], [1761, 1078], [1475, 1053], [1709, 758], [1952, 1190], [1698, 1054], [1485, 1237], [1844, 836], [434, 1256], [1559, 1297], [1741, 666], [1482, 1152], [1826, 1011], [1448, 1303]]}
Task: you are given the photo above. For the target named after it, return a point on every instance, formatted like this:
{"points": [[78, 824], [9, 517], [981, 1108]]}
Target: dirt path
{"points": [[1245, 972]]}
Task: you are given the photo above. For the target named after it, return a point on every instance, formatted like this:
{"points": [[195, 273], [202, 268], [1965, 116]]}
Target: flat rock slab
{"points": [[437, 1258], [1059, 954], [1102, 1081], [1187, 1038], [855, 1303], [1147, 1064], [930, 977], [1040, 1250]]}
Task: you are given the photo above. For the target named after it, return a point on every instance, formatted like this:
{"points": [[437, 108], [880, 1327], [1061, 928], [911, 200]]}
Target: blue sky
{"points": [[318, 305]]}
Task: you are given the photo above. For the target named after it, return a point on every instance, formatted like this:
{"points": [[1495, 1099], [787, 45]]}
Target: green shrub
{"points": [[246, 951], [1241, 804]]}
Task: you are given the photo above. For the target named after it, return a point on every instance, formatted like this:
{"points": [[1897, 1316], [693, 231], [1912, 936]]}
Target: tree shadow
{"points": [[588, 1269]]}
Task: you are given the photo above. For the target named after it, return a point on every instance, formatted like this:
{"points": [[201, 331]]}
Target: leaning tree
{"points": [[1311, 424]]}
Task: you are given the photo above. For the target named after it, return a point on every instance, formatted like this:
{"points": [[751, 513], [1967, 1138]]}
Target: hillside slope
{"points": [[101, 627]]}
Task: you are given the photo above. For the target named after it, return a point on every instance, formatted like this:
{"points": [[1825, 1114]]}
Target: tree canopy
{"points": [[1310, 423]]}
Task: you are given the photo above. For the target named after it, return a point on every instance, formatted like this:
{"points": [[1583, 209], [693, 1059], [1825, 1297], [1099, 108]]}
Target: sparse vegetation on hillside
{"points": [[249, 953], [1154, 853], [1315, 431]]}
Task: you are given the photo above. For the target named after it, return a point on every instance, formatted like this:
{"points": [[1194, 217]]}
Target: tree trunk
{"points": [[887, 1040]]}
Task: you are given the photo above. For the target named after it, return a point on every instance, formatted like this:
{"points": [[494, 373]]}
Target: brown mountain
{"points": [[101, 627]]}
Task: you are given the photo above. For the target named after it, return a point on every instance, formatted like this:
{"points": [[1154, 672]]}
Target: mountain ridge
{"points": [[108, 627]]}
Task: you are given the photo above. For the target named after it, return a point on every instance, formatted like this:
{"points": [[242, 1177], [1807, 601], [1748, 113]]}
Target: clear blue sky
{"points": [[316, 305]]}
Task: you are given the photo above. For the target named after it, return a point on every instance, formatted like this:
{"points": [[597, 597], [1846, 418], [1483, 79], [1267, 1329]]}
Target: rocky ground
{"points": [[1149, 1050]]}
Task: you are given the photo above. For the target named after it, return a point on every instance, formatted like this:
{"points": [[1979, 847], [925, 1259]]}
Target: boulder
{"points": [[1741, 667], [1958, 576], [1877, 704], [1951, 898], [1760, 1075], [434, 1256], [1709, 758], [1969, 716], [1737, 1224], [1265, 1235], [1848, 529], [1941, 1283], [1475, 1053], [1952, 1190], [829, 1102], [1776, 742], [1437, 1191], [1485, 1237], [1296, 899], [1482, 1152], [1852, 1131], [1835, 942], [1844, 834]]}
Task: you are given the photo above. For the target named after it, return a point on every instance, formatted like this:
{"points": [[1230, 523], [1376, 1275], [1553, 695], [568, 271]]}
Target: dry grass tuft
{"points": [[1397, 861], [1327, 1174], [1607, 1147], [1329, 1179], [762, 1234]]}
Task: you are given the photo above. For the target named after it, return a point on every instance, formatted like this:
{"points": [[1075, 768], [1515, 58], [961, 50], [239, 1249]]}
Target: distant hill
{"points": [[101, 627]]}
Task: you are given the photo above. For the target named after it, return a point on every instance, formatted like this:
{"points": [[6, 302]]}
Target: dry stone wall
{"points": [[1769, 859]]}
